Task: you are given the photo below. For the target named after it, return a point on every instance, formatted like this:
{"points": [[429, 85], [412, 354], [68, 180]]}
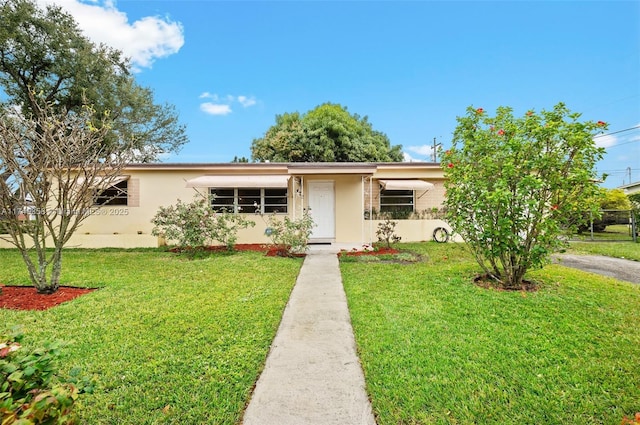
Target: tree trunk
{"points": [[38, 275]]}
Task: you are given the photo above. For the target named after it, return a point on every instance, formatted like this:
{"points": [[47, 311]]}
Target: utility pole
{"points": [[434, 155]]}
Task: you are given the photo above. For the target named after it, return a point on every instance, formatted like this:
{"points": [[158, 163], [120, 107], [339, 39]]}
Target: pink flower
{"points": [[500, 132], [447, 152], [529, 113], [480, 111], [601, 123], [450, 165], [554, 207]]}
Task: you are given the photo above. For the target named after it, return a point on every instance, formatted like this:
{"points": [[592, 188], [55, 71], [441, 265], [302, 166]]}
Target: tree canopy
{"points": [[514, 185], [43, 52], [328, 133], [615, 199]]}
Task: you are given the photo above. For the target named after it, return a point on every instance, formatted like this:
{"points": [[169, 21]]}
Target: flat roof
{"points": [[285, 167]]}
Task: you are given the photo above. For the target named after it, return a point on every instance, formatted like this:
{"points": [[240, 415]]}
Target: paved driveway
{"points": [[618, 268]]}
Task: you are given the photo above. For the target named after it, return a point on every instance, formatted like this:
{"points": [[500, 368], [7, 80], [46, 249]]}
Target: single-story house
{"points": [[344, 199], [631, 188]]}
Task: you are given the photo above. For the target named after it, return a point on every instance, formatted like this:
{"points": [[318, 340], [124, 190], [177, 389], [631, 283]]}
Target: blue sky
{"points": [[411, 67]]}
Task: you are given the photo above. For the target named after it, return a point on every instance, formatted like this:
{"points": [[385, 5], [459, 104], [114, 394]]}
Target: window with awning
{"points": [[234, 181], [249, 200], [398, 197]]}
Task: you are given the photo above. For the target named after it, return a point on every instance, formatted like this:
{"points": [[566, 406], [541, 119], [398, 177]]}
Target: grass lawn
{"points": [[168, 340], [628, 250], [436, 349]]}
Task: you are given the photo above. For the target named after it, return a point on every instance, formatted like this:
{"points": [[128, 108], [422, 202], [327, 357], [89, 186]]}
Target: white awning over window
{"points": [[413, 184], [239, 181], [103, 182]]}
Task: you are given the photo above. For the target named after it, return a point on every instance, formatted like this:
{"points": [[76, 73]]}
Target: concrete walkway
{"points": [[312, 374]]}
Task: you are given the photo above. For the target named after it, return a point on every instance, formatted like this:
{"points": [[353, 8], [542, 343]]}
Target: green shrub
{"points": [[289, 236], [195, 225], [31, 392], [514, 185]]}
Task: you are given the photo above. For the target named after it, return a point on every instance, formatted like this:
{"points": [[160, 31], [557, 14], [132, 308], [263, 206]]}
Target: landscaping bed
{"points": [[270, 250], [379, 254], [27, 297]]}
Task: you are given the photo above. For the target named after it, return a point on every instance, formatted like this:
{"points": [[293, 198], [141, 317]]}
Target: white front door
{"points": [[322, 205]]}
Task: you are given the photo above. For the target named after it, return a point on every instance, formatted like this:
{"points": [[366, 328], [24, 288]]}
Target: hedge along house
{"points": [[345, 200]]}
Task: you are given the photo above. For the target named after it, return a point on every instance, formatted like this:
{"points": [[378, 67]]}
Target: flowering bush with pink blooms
{"points": [[511, 194]]}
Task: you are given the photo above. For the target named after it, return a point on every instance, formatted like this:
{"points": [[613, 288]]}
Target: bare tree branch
{"points": [[53, 163]]}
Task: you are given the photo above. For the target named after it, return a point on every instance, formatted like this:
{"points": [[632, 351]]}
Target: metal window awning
{"points": [[99, 182], [413, 184], [228, 181]]}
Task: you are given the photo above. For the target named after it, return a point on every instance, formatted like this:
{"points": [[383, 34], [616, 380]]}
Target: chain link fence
{"points": [[612, 226]]}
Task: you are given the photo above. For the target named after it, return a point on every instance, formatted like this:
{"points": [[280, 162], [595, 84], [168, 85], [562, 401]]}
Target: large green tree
{"points": [[328, 133], [514, 185], [43, 52]]}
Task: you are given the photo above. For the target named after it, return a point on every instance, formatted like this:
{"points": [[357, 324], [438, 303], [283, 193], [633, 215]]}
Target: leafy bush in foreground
{"points": [[31, 392]]}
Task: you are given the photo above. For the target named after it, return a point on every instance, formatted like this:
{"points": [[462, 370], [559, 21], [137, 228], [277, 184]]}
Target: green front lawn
{"points": [[628, 250], [437, 349], [168, 340]]}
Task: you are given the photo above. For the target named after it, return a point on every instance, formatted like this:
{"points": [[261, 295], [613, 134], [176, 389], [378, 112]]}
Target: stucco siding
{"points": [[151, 186]]}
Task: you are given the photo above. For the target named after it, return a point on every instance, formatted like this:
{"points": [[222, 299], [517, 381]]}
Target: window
{"points": [[245, 200], [117, 194], [275, 200], [398, 203]]}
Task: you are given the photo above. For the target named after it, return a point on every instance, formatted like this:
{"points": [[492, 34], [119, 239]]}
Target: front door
{"points": [[322, 205]]}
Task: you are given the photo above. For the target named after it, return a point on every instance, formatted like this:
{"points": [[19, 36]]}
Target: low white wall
{"points": [[408, 230]]}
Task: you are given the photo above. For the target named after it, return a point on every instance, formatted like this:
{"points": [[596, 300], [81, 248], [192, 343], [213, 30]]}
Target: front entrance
{"points": [[322, 205]]}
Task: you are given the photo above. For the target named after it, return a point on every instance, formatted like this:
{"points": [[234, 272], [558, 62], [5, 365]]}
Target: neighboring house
{"points": [[631, 188], [341, 197]]}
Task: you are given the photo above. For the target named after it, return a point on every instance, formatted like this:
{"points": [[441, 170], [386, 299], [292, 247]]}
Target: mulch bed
{"points": [[27, 298], [377, 251], [268, 249], [485, 281]]}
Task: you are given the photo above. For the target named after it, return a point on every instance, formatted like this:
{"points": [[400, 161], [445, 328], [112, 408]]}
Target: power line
{"points": [[621, 171], [616, 132]]}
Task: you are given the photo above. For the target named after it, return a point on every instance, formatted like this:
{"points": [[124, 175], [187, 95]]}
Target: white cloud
{"points": [[246, 101], [215, 108], [408, 158], [144, 41], [605, 141], [421, 150], [221, 105]]}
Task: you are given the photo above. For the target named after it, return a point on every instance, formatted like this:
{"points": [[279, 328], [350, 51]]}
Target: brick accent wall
{"points": [[133, 193]]}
